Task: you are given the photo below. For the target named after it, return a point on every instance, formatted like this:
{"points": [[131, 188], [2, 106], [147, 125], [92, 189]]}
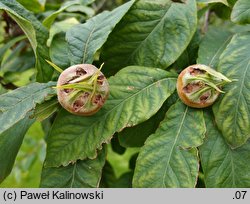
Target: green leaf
{"points": [[75, 137], [153, 33], [223, 167], [82, 174], [15, 105], [46, 109], [48, 21], [14, 59], [212, 46], [189, 56], [9, 44], [59, 51], [61, 26], [137, 135], [241, 12], [10, 142], [26, 172], [33, 5], [232, 111], [36, 34], [169, 157], [213, 1], [85, 39], [19, 78]]}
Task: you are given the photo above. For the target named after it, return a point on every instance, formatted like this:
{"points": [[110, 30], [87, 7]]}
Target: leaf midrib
{"points": [[174, 144], [220, 48], [143, 41], [232, 165], [239, 96], [73, 176], [240, 15], [22, 100], [87, 42]]}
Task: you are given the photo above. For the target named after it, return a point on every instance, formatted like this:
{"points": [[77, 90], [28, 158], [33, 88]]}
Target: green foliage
{"points": [[155, 140], [81, 174], [16, 105], [212, 46], [48, 21], [136, 136], [11, 140], [161, 39], [232, 110], [169, 157], [241, 12], [132, 85], [33, 5], [28, 164], [36, 34], [85, 39], [223, 167], [59, 51]]}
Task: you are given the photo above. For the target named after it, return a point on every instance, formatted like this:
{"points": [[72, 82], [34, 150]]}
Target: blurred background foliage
{"points": [[17, 63]]}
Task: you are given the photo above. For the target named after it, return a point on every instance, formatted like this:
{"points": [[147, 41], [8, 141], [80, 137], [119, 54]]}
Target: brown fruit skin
{"points": [[67, 76], [183, 96]]}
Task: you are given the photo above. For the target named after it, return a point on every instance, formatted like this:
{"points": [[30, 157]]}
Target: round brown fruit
{"points": [[198, 85], [82, 89]]}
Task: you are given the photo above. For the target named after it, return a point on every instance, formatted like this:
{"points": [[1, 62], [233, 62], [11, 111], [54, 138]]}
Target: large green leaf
{"points": [[136, 93], [212, 46], [223, 167], [232, 111], [153, 33], [10, 142], [85, 39], [36, 34], [241, 12], [169, 157], [15, 105], [82, 174]]}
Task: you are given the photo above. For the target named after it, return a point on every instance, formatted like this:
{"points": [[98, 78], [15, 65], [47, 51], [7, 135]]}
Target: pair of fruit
{"points": [[83, 89]]}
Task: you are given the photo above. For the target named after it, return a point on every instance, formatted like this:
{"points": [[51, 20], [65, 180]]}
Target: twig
{"points": [[97, 7], [206, 21]]}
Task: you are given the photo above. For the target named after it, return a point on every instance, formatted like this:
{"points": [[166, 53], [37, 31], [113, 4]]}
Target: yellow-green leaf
{"points": [[232, 111], [169, 157]]}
